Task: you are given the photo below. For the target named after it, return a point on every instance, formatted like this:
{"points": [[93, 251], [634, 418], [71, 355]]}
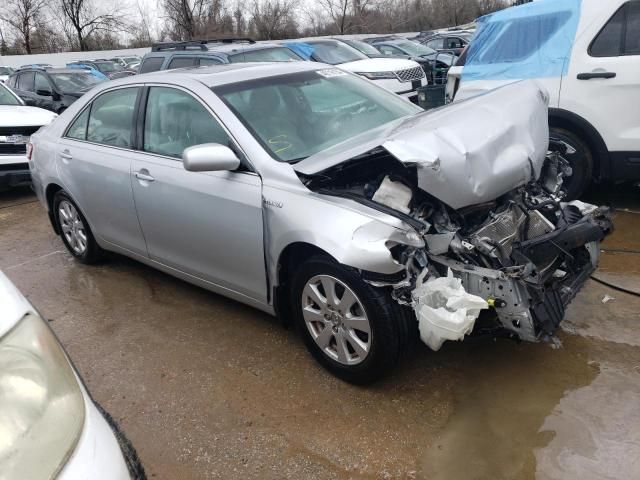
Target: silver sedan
{"points": [[310, 193]]}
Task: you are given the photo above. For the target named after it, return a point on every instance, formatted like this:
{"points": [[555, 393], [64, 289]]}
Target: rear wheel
{"points": [[74, 230], [581, 162], [354, 330]]}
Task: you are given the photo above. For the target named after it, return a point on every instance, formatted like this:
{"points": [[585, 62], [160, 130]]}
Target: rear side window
{"points": [[632, 36], [111, 118], [78, 128], [12, 81], [435, 44], [454, 42], [151, 64], [181, 62], [205, 61], [174, 120], [42, 83], [25, 82], [608, 43]]}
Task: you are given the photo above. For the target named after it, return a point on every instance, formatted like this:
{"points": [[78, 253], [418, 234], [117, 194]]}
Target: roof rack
{"points": [[197, 44]]}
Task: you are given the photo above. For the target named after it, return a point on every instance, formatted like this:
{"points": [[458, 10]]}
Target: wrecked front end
{"points": [[504, 254]]}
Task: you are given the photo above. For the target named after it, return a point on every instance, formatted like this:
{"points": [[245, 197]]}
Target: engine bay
{"points": [[526, 253]]}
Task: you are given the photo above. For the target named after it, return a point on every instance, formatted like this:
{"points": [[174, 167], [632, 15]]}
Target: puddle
{"points": [[596, 430]]}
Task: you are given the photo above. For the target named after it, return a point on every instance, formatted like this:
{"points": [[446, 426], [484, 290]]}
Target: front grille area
{"points": [[13, 149], [14, 167], [410, 74], [18, 130]]}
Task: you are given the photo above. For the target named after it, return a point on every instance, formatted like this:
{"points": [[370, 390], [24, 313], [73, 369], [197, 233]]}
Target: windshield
{"points": [[297, 115], [73, 82], [274, 54], [6, 71], [6, 97], [364, 47], [335, 53], [414, 48]]}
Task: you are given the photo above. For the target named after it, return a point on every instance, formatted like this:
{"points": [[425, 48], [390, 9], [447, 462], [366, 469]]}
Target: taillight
{"points": [[29, 150]]}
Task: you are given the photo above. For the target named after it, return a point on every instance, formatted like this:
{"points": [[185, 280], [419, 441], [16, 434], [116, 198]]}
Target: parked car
{"points": [[372, 52], [17, 123], [403, 77], [587, 56], [51, 88], [169, 55], [127, 61], [51, 427], [452, 42], [110, 69], [440, 62], [309, 192], [4, 73]]}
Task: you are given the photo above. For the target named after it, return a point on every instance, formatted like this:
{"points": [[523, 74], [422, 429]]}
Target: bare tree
{"points": [[22, 15], [185, 18], [273, 19], [87, 19]]}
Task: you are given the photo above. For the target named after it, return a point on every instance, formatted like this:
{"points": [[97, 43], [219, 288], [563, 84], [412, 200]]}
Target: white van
{"points": [[587, 55]]}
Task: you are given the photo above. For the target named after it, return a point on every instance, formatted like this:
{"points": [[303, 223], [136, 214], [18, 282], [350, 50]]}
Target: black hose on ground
{"points": [[614, 286]]}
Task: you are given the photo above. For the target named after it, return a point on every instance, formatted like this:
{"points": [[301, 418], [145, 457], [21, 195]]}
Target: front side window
{"points": [[78, 128], [297, 115], [174, 121], [389, 50], [151, 64], [26, 82], [415, 48], [111, 118], [42, 83], [436, 44]]}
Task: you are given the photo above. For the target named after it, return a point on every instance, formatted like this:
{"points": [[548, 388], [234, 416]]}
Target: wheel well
{"points": [[587, 133], [52, 189], [293, 254]]}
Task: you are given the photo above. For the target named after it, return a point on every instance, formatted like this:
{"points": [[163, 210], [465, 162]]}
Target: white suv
{"points": [[17, 123], [587, 55]]}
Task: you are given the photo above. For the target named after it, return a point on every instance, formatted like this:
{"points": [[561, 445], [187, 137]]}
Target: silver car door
{"points": [[94, 162], [206, 224]]}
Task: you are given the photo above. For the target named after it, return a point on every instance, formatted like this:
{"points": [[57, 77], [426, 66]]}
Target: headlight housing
{"points": [[378, 75], [41, 404]]}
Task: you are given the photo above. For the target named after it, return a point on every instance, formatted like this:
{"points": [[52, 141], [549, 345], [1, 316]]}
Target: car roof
{"points": [[216, 75], [218, 47]]}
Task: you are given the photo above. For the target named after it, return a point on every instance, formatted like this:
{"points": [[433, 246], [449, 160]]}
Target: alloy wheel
{"points": [[72, 227], [336, 320]]}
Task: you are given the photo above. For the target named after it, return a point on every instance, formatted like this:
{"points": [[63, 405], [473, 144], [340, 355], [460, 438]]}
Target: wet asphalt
{"points": [[207, 388]]}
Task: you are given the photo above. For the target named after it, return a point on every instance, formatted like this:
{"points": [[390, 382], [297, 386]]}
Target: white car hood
{"points": [[379, 65], [13, 306], [23, 116], [466, 153]]}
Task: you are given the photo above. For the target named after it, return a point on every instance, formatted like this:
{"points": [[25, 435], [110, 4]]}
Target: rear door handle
{"points": [[66, 155], [144, 176], [589, 76]]}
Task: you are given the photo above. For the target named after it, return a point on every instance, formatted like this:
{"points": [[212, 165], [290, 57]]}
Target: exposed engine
{"points": [[525, 253]]}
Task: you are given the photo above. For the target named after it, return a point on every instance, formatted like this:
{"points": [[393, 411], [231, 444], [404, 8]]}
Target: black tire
{"points": [[581, 163], [393, 328], [92, 253]]}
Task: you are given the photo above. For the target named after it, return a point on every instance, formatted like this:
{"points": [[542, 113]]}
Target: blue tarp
{"points": [[303, 49], [529, 41]]}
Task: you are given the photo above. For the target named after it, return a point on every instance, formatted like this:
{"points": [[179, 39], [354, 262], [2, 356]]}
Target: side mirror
{"points": [[209, 157], [44, 93]]}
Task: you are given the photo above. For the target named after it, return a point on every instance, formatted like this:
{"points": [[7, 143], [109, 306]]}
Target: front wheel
{"points": [[354, 330], [581, 163]]}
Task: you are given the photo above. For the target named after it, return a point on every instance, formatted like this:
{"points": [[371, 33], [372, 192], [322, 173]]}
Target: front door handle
{"points": [[589, 76], [144, 176], [65, 155]]}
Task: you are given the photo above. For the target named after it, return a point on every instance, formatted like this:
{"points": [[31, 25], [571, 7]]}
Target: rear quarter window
{"points": [[151, 64]]}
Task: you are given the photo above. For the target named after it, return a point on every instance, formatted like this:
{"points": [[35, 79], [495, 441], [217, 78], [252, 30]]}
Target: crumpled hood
{"points": [[466, 153]]}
